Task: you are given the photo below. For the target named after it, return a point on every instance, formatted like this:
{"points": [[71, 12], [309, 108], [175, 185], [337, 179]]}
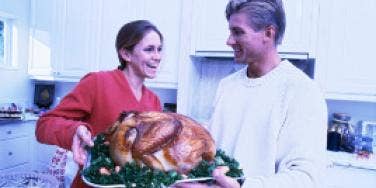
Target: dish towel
{"points": [[63, 167]]}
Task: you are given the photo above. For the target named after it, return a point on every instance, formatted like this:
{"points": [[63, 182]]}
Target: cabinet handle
{"points": [[10, 153], [9, 132]]}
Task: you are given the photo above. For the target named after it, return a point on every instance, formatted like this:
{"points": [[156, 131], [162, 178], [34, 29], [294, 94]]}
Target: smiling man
{"points": [[275, 122]]}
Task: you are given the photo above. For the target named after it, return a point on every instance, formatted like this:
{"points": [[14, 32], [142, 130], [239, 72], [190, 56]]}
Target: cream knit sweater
{"points": [[275, 126]]}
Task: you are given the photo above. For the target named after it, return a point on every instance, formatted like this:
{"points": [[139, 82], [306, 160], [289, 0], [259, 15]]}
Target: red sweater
{"points": [[95, 102]]}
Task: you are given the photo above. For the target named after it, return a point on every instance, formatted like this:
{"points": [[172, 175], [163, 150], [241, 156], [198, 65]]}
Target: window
{"points": [[6, 41], [1, 42]]}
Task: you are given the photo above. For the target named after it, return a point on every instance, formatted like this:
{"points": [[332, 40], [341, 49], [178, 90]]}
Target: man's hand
{"points": [[81, 138], [222, 181]]}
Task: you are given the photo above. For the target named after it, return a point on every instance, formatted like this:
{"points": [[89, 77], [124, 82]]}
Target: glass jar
{"points": [[367, 144]]}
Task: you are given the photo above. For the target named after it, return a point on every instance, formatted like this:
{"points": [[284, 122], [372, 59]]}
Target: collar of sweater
{"points": [[273, 74]]}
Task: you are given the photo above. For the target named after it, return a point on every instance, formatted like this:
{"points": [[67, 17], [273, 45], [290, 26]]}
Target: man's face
{"points": [[248, 44]]}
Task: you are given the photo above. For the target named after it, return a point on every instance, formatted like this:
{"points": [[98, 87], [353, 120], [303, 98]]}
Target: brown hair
{"points": [[131, 34]]}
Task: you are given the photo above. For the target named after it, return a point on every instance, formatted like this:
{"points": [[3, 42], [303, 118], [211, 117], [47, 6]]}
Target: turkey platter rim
{"points": [[161, 147]]}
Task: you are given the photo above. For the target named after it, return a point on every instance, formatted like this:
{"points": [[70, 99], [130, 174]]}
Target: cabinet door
{"points": [[115, 14], [20, 168], [43, 156], [166, 15], [15, 130], [64, 38], [301, 26], [17, 151], [348, 177], [77, 35], [14, 152], [42, 16], [348, 38], [118, 12], [211, 27]]}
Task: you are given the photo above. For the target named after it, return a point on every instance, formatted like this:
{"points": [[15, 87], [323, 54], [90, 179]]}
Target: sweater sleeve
{"points": [[158, 104], [58, 126], [301, 143]]}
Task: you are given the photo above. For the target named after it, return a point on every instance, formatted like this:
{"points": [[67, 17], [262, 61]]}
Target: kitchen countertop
{"points": [[26, 117], [351, 160]]}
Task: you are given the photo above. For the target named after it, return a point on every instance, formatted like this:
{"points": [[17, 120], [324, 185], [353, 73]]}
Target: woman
{"points": [[99, 98]]}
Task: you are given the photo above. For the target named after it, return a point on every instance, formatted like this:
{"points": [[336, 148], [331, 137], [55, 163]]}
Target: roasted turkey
{"points": [[165, 141]]}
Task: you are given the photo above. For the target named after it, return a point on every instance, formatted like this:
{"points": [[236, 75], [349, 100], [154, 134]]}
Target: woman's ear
{"points": [[125, 54]]}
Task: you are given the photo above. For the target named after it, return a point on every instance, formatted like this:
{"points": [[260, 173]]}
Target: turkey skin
{"points": [[165, 141]]}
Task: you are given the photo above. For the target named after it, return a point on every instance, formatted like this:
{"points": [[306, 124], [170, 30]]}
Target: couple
{"points": [[268, 125]]}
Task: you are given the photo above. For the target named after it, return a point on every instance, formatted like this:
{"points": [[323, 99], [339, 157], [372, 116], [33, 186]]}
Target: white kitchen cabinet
{"points": [[168, 22], [16, 151], [63, 38], [20, 151], [80, 36], [301, 26], [117, 13], [43, 156], [41, 48], [76, 35], [211, 28], [346, 49], [350, 177]]}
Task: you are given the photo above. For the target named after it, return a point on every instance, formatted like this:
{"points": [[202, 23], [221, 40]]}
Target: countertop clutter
{"points": [[10, 111], [354, 138], [14, 112]]}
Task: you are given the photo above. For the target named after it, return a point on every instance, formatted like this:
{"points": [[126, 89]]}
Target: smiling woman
{"points": [[99, 97]]}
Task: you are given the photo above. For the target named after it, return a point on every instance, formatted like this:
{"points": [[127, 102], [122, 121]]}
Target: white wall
{"points": [[14, 83]]}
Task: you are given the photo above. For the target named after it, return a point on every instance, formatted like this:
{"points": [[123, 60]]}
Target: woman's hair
{"points": [[131, 34], [261, 14]]}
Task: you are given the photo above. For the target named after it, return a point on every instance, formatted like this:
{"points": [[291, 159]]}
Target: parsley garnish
{"points": [[134, 175]]}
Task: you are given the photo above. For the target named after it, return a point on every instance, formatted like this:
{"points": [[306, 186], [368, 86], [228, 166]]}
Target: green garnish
{"points": [[205, 168], [134, 175]]}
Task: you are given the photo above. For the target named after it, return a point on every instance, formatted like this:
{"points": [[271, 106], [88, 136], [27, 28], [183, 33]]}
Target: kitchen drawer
{"points": [[350, 177], [20, 168], [14, 152], [14, 130]]}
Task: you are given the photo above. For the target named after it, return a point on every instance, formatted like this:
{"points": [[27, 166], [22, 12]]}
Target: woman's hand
{"points": [[222, 181], [81, 138]]}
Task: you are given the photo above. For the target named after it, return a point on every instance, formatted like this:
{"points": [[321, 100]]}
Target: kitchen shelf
{"points": [[351, 160], [351, 97]]}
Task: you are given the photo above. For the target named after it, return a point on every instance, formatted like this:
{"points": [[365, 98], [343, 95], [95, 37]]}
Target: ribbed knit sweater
{"points": [[275, 126]]}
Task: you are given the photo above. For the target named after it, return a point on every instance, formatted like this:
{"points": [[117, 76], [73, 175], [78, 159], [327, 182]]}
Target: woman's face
{"points": [[145, 57]]}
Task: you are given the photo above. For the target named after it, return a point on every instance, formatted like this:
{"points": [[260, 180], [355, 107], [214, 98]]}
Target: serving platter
{"points": [[220, 158], [194, 180], [87, 182]]}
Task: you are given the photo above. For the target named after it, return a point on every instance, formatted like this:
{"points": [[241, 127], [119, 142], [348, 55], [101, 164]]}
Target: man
{"points": [[269, 116]]}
